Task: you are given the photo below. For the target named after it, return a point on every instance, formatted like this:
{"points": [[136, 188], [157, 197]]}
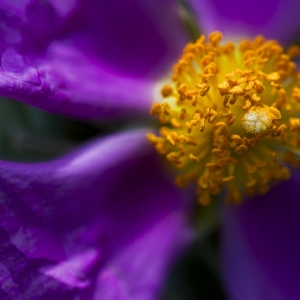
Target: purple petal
{"points": [[276, 19], [87, 58], [72, 272], [262, 245], [138, 271], [89, 91], [67, 222]]}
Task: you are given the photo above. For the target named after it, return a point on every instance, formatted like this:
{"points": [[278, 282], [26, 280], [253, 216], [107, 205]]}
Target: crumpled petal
{"points": [[65, 223], [262, 245], [88, 58], [277, 19]]}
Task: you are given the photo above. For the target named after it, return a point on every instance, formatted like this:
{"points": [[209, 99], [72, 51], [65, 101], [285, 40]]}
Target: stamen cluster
{"points": [[230, 120]]}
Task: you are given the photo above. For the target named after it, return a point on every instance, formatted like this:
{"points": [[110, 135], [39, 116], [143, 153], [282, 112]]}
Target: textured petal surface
{"points": [[96, 215], [262, 245], [87, 58], [275, 19]]}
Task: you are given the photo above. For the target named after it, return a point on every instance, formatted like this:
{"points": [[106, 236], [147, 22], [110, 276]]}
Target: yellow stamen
{"points": [[230, 120]]}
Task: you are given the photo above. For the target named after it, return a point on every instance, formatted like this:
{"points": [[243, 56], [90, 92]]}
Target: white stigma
{"points": [[257, 120]]}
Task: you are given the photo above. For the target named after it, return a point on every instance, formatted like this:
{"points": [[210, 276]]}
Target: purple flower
{"points": [[105, 222]]}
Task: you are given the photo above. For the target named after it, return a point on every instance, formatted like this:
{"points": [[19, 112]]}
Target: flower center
{"points": [[230, 119]]}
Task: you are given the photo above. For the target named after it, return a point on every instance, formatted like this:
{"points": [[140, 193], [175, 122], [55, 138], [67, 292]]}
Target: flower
{"points": [[85, 59]]}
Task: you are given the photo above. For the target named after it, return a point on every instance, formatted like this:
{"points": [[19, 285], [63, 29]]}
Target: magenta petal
{"points": [[86, 58], [276, 19], [66, 222], [72, 271], [262, 245], [133, 37], [87, 92], [130, 275]]}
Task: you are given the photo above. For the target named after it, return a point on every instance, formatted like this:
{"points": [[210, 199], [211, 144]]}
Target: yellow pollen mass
{"points": [[230, 118], [259, 119]]}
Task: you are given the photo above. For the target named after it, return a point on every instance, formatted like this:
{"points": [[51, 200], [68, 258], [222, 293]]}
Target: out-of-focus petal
{"points": [[276, 19], [69, 82], [262, 244], [139, 270], [134, 37], [63, 221], [87, 58]]}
